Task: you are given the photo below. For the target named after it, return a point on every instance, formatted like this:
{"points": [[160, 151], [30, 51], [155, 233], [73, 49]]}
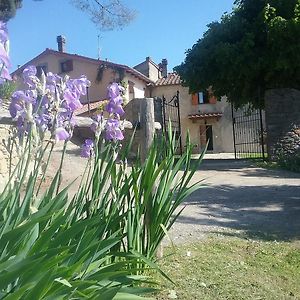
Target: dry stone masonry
{"points": [[283, 122]]}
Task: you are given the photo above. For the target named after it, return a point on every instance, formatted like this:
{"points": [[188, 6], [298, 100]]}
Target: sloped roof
{"points": [[48, 51], [88, 107], [148, 59], [171, 79]]}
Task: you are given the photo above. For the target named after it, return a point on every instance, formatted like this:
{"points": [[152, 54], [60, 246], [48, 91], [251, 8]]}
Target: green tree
{"points": [[6, 90], [8, 9], [254, 48], [106, 14]]}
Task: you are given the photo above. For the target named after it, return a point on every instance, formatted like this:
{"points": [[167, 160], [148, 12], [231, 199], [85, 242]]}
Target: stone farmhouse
{"points": [[99, 72], [201, 114]]}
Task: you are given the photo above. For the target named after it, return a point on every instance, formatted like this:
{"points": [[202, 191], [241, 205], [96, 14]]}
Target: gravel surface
{"points": [[239, 198], [236, 198]]}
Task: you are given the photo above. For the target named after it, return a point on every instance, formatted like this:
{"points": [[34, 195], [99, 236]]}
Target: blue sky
{"points": [[161, 29]]}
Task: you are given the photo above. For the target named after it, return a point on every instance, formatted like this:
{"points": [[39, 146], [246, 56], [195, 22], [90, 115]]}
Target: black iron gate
{"points": [[248, 133], [171, 114]]}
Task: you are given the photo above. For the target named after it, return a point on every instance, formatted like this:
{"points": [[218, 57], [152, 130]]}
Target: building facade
{"points": [[208, 121], [100, 73]]}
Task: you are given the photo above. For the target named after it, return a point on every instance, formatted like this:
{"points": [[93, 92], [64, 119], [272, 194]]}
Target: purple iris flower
{"points": [[113, 130], [4, 58], [4, 55], [72, 99], [114, 90], [13, 110], [61, 134], [51, 81], [114, 106], [4, 75], [97, 125], [18, 100], [51, 109], [29, 76], [43, 121], [79, 85], [3, 32], [87, 148], [75, 88]]}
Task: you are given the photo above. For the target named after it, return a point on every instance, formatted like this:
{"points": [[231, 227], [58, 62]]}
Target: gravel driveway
{"points": [[236, 197], [239, 198]]}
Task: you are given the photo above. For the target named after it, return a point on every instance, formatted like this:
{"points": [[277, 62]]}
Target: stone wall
{"points": [[282, 115], [4, 155]]}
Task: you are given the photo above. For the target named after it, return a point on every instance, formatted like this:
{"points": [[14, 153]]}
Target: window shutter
{"points": [[67, 66], [194, 99]]}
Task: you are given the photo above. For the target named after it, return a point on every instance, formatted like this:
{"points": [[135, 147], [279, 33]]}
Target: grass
{"points": [[233, 268], [272, 165], [268, 165], [252, 155]]}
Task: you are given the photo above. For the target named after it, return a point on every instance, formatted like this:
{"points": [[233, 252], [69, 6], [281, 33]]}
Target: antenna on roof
{"points": [[99, 49]]}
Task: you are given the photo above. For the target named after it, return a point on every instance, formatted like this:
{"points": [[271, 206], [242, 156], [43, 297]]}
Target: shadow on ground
{"points": [[268, 212], [240, 165]]}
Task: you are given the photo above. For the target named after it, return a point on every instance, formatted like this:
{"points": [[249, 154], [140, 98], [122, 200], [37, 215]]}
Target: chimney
{"points": [[61, 43], [164, 67]]}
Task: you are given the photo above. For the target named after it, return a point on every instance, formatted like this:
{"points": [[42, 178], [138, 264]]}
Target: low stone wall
{"points": [[4, 155], [282, 117]]}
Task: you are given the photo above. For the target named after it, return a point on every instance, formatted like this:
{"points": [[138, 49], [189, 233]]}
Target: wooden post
{"points": [[147, 125]]}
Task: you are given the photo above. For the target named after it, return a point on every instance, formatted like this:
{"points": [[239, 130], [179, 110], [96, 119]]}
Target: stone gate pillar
{"points": [[282, 117]]}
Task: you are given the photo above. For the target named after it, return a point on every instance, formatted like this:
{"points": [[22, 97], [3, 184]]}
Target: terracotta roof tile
{"points": [[85, 108], [204, 116], [92, 60], [171, 79]]}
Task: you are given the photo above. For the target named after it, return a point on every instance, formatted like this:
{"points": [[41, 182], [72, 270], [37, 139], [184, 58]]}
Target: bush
{"points": [[288, 150]]}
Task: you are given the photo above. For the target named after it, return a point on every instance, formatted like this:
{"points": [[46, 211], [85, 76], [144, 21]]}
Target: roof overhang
{"points": [[48, 51], [205, 116]]}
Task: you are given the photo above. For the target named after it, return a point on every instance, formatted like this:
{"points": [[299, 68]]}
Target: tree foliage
{"points": [[8, 9], [106, 14], [254, 48]]}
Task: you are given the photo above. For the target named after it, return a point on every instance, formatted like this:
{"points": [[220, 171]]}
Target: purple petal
{"points": [[113, 131], [4, 56], [78, 86], [24, 96], [3, 32], [61, 134], [114, 90], [5, 74], [87, 148], [13, 110], [29, 76]]}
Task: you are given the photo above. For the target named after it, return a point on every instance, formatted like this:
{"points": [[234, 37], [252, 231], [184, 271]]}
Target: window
{"points": [[66, 66], [40, 69], [200, 98]]}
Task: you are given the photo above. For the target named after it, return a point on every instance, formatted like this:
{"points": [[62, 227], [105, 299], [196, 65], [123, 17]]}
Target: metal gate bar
{"points": [[171, 113], [248, 139]]}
